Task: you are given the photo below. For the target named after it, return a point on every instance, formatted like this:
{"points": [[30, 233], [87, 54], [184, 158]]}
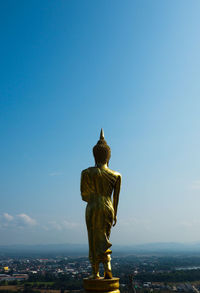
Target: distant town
{"points": [[64, 273]]}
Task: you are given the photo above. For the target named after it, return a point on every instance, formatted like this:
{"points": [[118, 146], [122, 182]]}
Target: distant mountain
{"points": [[21, 249], [162, 246], [82, 249], [45, 247]]}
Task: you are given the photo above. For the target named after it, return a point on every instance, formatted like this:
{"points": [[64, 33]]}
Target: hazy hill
{"points": [[82, 249]]}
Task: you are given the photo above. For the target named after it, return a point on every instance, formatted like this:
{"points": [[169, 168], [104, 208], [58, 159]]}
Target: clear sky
{"points": [[70, 67]]}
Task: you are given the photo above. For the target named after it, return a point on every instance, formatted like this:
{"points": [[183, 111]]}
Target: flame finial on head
{"points": [[102, 134]]}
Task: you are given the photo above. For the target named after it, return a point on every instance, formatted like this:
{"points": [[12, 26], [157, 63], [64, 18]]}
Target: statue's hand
{"points": [[115, 221]]}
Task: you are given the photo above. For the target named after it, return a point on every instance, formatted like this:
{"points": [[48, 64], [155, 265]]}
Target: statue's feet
{"points": [[107, 270], [108, 275], [94, 276]]}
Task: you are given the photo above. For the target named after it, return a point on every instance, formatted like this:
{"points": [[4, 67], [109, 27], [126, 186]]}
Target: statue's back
{"points": [[98, 181]]}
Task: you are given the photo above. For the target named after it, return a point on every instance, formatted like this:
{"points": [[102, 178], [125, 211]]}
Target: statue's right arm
{"points": [[116, 197], [84, 192]]}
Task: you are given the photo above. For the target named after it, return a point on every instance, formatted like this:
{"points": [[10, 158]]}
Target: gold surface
{"points": [[98, 184], [101, 285]]}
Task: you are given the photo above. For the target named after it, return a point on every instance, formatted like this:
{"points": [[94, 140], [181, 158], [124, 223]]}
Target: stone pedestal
{"points": [[101, 285]]}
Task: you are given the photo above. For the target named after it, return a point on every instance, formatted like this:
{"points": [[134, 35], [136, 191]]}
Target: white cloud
{"points": [[190, 224], [196, 185], [70, 225], [55, 225], [27, 220], [7, 221], [134, 222], [46, 228], [61, 225], [23, 220], [8, 217]]}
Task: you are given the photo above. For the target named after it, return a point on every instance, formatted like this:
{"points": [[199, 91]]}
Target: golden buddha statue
{"points": [[97, 186]]}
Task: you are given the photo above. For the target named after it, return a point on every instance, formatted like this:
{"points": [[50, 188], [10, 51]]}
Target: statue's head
{"points": [[101, 151]]}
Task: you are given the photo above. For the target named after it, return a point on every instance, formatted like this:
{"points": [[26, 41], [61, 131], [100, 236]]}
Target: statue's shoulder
{"points": [[90, 170], [114, 173], [95, 171]]}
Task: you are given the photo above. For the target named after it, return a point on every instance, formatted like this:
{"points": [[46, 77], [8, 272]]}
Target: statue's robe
{"points": [[97, 185]]}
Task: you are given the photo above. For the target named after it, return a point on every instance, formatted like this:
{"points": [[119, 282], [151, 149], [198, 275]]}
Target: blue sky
{"points": [[69, 68]]}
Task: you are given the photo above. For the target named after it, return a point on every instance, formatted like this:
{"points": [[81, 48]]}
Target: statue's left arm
{"points": [[116, 197], [84, 186]]}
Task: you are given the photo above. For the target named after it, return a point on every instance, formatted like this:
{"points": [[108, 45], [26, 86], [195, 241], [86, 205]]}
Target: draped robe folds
{"points": [[97, 185]]}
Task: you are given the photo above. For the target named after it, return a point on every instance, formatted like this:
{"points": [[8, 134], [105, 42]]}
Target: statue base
{"points": [[101, 285]]}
